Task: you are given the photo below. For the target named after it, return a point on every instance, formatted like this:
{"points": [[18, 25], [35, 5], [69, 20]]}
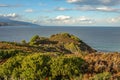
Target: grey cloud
{"points": [[101, 9], [95, 2], [10, 16], [7, 5], [90, 8], [107, 9]]}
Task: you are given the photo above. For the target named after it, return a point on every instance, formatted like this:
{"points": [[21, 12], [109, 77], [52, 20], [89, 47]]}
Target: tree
{"points": [[34, 40], [23, 42]]}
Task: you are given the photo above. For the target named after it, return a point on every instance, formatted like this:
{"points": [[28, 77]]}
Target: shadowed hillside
{"points": [[9, 22]]}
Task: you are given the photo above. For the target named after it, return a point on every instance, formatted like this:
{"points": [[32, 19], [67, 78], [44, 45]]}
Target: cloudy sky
{"points": [[63, 12]]}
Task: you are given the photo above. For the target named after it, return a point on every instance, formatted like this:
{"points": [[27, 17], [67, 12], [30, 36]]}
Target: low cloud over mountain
{"points": [[7, 21]]}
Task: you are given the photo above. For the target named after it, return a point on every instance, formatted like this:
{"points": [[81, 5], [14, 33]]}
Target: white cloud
{"points": [[35, 21], [85, 8], [11, 15], [90, 8], [62, 17], [29, 10], [114, 20], [84, 19], [107, 9], [69, 20], [95, 2], [93, 5], [62, 9], [73, 1]]}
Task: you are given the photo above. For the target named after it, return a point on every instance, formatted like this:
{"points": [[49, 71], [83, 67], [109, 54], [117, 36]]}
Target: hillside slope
{"points": [[9, 22]]}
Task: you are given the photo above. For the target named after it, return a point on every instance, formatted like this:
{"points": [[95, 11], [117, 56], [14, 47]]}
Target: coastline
{"points": [[60, 54]]}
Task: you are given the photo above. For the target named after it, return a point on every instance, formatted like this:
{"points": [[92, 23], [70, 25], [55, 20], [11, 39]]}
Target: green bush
{"points": [[102, 76], [64, 67], [72, 47], [34, 40], [35, 67], [8, 53], [10, 69]]}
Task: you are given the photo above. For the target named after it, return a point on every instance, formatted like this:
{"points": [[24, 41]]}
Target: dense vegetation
{"points": [[60, 57]]}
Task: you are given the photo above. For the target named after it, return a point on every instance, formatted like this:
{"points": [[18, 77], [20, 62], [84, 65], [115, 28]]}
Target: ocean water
{"points": [[99, 38]]}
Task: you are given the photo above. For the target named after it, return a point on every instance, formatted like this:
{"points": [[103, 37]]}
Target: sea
{"points": [[100, 38]]}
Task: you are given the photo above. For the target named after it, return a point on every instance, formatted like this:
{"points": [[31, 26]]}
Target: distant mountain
{"points": [[9, 22]]}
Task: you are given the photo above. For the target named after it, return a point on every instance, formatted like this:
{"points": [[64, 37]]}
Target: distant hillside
{"points": [[3, 24], [9, 22]]}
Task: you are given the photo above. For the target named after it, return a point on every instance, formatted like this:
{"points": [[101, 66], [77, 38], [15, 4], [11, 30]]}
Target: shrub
{"points": [[35, 67], [102, 76], [64, 67], [10, 69], [8, 53], [34, 40], [72, 47]]}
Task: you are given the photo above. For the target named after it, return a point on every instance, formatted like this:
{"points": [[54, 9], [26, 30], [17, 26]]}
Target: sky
{"points": [[63, 12]]}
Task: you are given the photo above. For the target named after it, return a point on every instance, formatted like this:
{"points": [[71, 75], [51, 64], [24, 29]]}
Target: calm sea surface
{"points": [[100, 38]]}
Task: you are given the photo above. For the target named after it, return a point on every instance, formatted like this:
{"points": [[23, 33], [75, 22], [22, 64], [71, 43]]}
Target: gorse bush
{"points": [[39, 66], [11, 68], [8, 53], [35, 67], [64, 67]]}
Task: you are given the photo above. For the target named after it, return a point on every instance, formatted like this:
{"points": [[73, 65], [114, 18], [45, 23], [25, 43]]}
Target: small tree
{"points": [[34, 40], [23, 42]]}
